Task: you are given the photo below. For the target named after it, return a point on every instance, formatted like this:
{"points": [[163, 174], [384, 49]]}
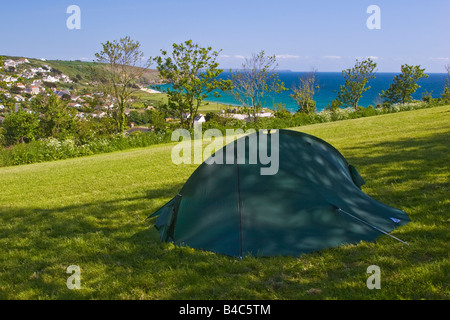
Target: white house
{"points": [[50, 79], [22, 60], [264, 114], [199, 119], [10, 63], [74, 105], [238, 116], [9, 79], [34, 89], [19, 98], [65, 78]]}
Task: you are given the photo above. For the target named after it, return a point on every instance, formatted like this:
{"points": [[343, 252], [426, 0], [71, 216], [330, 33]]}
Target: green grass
{"points": [[91, 212], [156, 98]]}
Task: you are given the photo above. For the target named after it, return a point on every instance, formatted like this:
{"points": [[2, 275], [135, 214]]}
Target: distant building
{"points": [[199, 119], [50, 79], [10, 63], [74, 105], [34, 89], [19, 98]]}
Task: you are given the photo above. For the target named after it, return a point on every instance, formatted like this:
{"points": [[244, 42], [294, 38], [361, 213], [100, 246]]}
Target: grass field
{"points": [[91, 212], [156, 98]]}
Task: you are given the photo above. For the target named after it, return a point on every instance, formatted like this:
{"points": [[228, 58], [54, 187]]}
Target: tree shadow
{"points": [[408, 172], [38, 244]]}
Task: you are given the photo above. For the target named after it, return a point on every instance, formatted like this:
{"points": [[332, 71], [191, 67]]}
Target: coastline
{"points": [[150, 90]]}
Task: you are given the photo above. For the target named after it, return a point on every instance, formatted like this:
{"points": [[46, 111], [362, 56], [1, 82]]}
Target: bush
{"points": [[53, 149]]}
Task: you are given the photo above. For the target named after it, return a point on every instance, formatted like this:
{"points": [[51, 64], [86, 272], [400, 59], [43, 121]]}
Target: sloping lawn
{"points": [[91, 212]]}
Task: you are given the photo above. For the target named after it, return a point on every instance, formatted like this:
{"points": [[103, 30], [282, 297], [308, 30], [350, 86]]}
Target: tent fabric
{"points": [[313, 202]]}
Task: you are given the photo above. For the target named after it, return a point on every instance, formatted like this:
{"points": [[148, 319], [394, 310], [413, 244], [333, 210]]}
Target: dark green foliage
{"points": [[53, 149], [304, 93], [192, 70], [404, 84], [56, 119], [356, 80], [20, 127]]}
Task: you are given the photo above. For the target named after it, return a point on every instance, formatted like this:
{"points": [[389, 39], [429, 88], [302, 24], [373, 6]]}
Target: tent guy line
{"points": [[372, 226]]}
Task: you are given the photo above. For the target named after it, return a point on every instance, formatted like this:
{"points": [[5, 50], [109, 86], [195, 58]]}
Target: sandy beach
{"points": [[150, 90]]}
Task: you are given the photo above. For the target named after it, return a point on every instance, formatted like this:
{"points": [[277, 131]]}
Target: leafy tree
{"points": [[356, 80], [192, 72], [304, 92], [255, 81], [57, 120], [404, 84], [124, 64], [282, 113], [20, 126], [15, 90], [334, 105]]}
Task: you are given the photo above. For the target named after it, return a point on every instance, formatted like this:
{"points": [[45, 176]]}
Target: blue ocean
{"points": [[329, 83]]}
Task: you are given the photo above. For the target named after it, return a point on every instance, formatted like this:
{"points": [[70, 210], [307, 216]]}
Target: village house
{"points": [[28, 75], [199, 119], [10, 63], [23, 60], [39, 70], [48, 78], [74, 105], [65, 78], [20, 85], [33, 90], [9, 79], [19, 98]]}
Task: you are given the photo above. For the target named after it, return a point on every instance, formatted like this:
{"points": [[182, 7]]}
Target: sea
{"points": [[329, 83]]}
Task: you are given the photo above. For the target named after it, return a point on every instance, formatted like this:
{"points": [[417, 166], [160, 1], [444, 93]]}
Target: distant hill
{"points": [[80, 71]]}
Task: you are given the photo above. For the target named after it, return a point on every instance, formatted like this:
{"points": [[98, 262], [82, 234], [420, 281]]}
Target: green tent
{"points": [[314, 201]]}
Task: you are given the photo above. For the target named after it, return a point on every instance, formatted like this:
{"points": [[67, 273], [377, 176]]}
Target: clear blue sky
{"points": [[326, 34]]}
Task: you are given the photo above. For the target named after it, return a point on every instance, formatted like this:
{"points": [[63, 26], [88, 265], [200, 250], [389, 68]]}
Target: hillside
{"points": [[92, 212], [80, 70]]}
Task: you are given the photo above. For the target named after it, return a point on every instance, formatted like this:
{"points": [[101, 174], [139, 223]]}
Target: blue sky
{"points": [[324, 34]]}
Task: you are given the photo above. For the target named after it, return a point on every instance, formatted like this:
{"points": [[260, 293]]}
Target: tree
{"points": [[255, 81], [446, 94], [57, 120], [20, 126], [192, 72], [356, 80], [404, 84], [334, 105], [124, 64], [304, 92]]}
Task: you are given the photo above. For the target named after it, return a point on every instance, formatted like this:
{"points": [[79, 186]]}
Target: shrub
{"points": [[53, 149]]}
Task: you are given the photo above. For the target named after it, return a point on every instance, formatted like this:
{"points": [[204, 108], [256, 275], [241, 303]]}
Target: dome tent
{"points": [[314, 201]]}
